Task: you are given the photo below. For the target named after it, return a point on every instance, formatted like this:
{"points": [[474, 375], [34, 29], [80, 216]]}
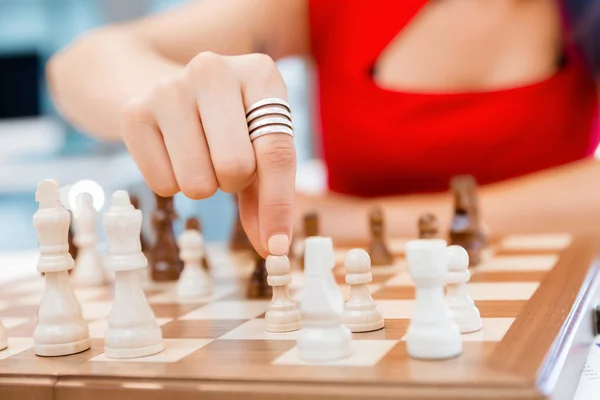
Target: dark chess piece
{"points": [[466, 229], [258, 288], [378, 250], [193, 223], [164, 255], [239, 240], [135, 202], [429, 226]]}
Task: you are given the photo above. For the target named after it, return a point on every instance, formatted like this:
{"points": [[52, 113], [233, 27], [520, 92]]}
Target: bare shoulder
{"points": [[230, 27]]}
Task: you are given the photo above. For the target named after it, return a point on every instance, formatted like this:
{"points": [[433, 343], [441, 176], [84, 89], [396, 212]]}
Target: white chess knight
{"points": [[3, 337], [322, 337], [283, 314], [193, 282], [465, 313], [132, 329], [89, 269], [432, 333], [61, 329], [361, 314]]}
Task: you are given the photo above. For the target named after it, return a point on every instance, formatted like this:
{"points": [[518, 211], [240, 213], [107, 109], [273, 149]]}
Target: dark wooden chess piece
{"points": [[258, 288], [310, 227], [239, 240], [466, 229], [429, 226], [193, 223], [165, 264], [378, 250], [135, 202]]}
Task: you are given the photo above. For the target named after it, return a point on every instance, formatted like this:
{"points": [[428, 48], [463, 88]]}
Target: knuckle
{"points": [[169, 86], [135, 111], [265, 71], [198, 187], [235, 167], [204, 66], [279, 154]]}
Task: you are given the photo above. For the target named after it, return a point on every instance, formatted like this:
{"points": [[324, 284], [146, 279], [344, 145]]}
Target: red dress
{"points": [[383, 142]]}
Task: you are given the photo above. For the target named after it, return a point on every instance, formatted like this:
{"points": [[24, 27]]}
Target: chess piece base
{"points": [[134, 353], [62, 349], [363, 319], [368, 327], [436, 346], [280, 328], [321, 345]]}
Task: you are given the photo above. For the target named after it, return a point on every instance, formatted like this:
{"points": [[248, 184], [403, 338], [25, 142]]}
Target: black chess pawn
{"points": [[429, 226], [258, 287], [164, 255], [378, 250]]}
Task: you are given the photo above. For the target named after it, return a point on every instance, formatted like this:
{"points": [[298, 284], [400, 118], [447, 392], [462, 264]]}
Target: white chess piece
{"points": [[193, 282], [283, 314], [465, 313], [132, 329], [3, 337], [361, 314], [322, 337], [89, 269], [432, 333], [61, 329]]}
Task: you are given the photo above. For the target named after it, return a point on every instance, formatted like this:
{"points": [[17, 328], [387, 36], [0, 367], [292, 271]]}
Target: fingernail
{"points": [[279, 244]]}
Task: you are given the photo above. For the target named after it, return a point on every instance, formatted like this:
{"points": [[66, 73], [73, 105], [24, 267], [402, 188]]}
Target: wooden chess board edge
{"points": [[101, 388], [538, 343], [26, 387]]}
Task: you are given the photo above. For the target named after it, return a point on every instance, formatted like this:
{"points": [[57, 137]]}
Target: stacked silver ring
{"points": [[270, 115]]}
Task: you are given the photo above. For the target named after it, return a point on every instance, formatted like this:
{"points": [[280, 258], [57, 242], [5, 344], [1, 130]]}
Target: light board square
{"points": [[175, 350], [98, 328], [15, 346], [170, 297], [13, 322], [255, 330], [518, 263], [502, 290], [234, 309], [537, 242]]}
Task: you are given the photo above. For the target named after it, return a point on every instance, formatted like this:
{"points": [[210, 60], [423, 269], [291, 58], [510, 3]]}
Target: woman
{"points": [[410, 93]]}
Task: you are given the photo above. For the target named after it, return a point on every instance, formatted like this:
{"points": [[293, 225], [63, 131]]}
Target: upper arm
{"points": [[275, 27]]}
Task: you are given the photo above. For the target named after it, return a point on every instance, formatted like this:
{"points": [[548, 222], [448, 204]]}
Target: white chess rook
{"points": [[132, 329], [465, 313], [432, 333], [283, 314], [89, 269], [323, 337], [61, 329], [193, 282], [361, 314], [3, 337]]}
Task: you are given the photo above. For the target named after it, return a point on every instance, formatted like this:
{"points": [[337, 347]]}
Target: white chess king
{"points": [[432, 333], [61, 329], [132, 329]]}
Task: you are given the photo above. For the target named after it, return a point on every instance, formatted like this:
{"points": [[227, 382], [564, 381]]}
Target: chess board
{"points": [[535, 294]]}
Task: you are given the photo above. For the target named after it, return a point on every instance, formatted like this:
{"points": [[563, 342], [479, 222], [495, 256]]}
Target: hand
{"points": [[189, 134]]}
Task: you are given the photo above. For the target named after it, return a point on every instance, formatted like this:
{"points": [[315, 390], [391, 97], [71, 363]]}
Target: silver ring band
{"points": [[266, 130], [261, 112], [268, 120], [268, 101]]}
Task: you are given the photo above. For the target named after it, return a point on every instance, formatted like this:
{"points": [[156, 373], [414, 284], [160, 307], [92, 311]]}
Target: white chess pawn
{"points": [[3, 337], [193, 282], [89, 269], [361, 314], [61, 329], [323, 337], [432, 333], [283, 314], [132, 329], [465, 313]]}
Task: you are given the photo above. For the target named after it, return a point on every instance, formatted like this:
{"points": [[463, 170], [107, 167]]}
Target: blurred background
{"points": [[35, 143]]}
